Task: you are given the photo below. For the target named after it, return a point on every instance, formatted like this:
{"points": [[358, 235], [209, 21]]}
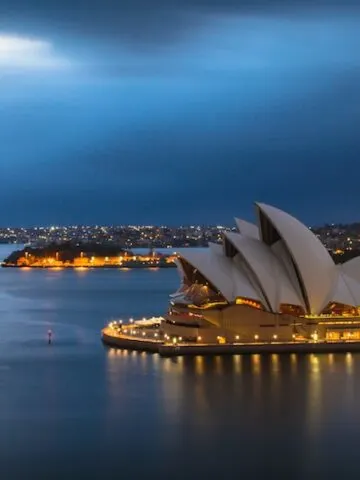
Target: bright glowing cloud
{"points": [[18, 53]]}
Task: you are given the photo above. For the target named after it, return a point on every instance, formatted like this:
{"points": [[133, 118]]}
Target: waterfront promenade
{"points": [[131, 337]]}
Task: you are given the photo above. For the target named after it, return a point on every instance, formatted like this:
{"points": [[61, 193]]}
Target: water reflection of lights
{"points": [[199, 365], [112, 352], [219, 365], [237, 363], [349, 360], [293, 360], [256, 363], [275, 365], [331, 359], [167, 365], [314, 396], [173, 364], [156, 359], [314, 363]]}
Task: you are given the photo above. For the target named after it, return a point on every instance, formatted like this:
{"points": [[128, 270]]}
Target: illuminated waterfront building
{"points": [[274, 281]]}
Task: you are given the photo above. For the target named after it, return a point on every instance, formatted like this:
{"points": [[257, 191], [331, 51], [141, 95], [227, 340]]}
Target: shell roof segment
{"points": [[316, 271]]}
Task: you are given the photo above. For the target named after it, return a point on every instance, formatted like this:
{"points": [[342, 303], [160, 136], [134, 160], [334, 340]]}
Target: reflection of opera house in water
{"points": [[271, 282]]}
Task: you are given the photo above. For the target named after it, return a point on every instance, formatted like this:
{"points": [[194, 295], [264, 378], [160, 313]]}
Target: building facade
{"points": [[274, 281]]}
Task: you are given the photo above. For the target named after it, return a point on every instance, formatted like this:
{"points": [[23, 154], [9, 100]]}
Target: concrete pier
{"points": [[118, 340]]}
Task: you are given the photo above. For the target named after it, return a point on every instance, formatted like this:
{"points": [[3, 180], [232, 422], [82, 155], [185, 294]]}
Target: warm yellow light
{"points": [[144, 334], [199, 339], [246, 301], [275, 337], [256, 337], [237, 337]]}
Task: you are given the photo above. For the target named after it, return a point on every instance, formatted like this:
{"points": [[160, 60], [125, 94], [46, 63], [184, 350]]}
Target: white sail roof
{"points": [[342, 292], [352, 286], [286, 264], [314, 265], [222, 272], [352, 268], [268, 271], [216, 248], [247, 228]]}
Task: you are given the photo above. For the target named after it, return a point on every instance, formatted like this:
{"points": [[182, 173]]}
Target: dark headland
{"points": [[85, 255]]}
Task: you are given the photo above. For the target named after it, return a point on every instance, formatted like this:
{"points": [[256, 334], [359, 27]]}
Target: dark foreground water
{"points": [[78, 410]]}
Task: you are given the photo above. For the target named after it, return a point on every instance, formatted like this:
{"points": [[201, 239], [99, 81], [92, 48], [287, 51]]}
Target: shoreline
{"points": [[126, 342], [84, 256], [85, 267]]}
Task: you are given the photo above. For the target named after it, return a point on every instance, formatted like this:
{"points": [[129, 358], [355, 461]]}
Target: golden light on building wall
{"points": [[248, 302]]}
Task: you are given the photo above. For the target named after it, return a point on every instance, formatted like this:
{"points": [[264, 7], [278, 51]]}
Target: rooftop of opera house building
{"points": [[271, 279], [270, 286]]}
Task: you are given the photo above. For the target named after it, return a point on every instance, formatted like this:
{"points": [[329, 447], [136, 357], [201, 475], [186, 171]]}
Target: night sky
{"points": [[163, 111]]}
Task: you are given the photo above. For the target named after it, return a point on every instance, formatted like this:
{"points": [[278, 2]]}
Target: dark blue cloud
{"points": [[185, 112]]}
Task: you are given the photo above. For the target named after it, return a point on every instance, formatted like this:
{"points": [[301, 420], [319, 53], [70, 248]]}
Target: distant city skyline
{"points": [[163, 112], [337, 238]]}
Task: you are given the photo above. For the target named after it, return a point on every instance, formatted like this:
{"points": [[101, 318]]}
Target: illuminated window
{"points": [[343, 335], [248, 303], [339, 309]]}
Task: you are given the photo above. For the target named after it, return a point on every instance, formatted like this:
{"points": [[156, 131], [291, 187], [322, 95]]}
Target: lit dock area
{"points": [[145, 335]]}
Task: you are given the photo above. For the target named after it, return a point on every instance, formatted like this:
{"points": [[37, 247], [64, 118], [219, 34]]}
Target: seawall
{"points": [[169, 350]]}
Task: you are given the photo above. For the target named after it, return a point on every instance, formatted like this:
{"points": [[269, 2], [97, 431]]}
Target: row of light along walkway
{"points": [[145, 335]]}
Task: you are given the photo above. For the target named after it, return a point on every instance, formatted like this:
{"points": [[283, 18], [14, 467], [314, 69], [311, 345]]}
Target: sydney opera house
{"points": [[274, 281]]}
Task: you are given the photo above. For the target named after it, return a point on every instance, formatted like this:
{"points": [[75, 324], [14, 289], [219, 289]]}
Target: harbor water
{"points": [[76, 409]]}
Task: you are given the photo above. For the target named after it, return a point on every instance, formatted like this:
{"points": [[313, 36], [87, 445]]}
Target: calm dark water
{"points": [[78, 410]]}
